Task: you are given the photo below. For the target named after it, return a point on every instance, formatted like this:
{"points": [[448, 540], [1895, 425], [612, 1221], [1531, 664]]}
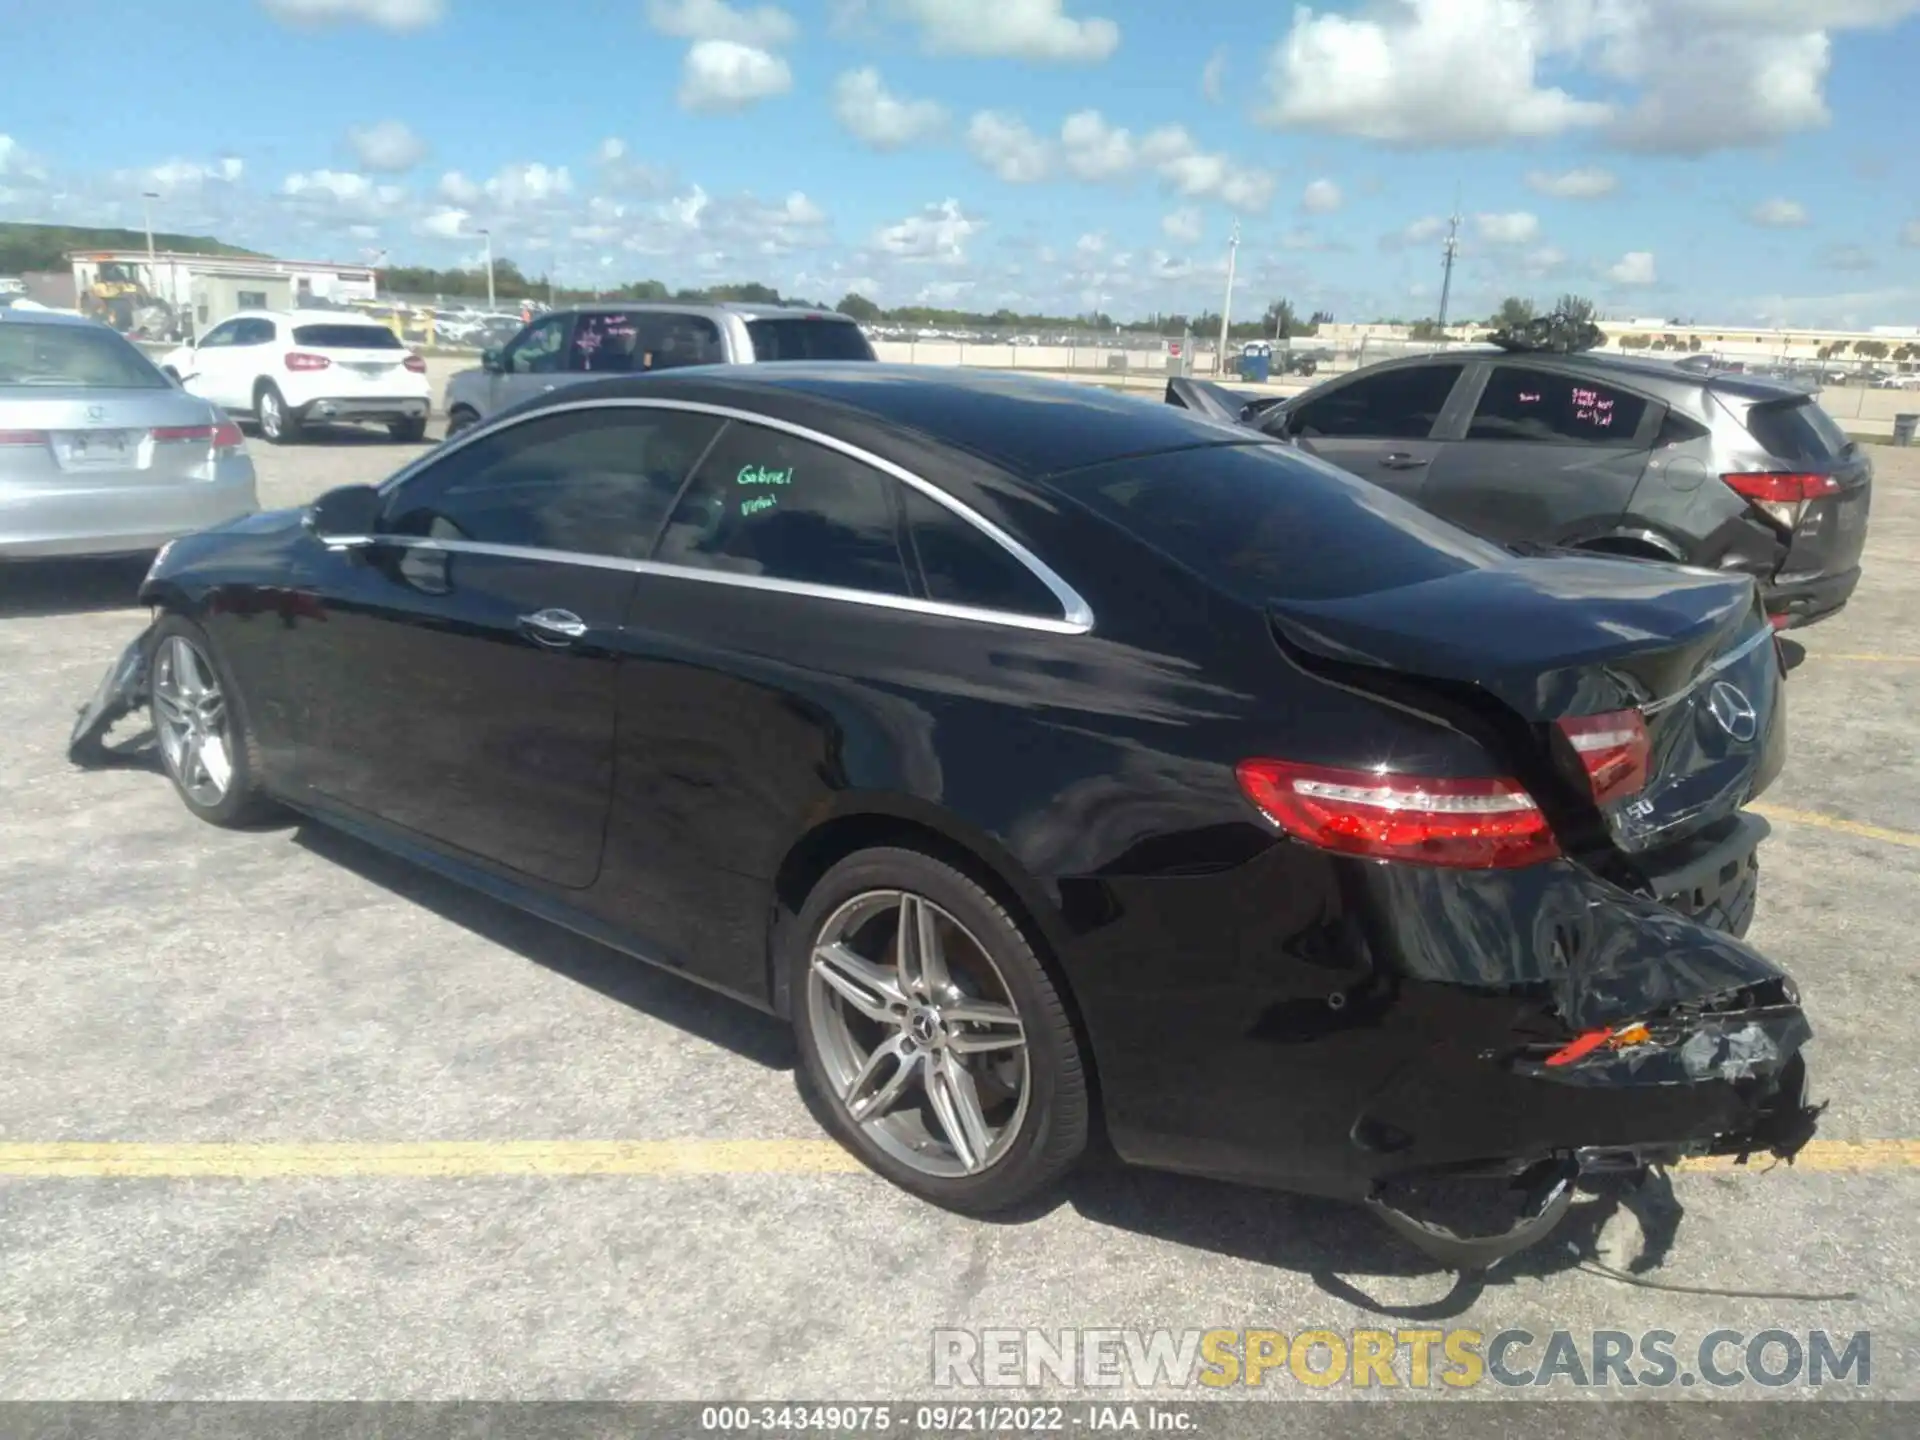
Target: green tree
{"points": [[858, 307], [1574, 307], [1871, 349], [1282, 322], [1513, 311]]}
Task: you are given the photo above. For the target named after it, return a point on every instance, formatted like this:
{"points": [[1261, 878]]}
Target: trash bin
{"points": [[1256, 362], [1906, 428]]}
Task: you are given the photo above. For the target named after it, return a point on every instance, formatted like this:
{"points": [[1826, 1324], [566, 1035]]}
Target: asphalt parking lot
{"points": [[399, 1092]]}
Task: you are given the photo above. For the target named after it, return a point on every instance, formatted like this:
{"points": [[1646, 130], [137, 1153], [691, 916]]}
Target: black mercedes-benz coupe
{"points": [[1045, 755]]}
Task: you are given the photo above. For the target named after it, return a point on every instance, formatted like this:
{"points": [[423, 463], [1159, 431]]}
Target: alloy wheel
{"points": [[270, 418], [191, 719], [918, 1034]]}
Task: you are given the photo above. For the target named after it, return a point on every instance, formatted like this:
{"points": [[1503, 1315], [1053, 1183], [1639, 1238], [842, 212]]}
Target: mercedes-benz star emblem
{"points": [[1733, 711], [96, 412]]}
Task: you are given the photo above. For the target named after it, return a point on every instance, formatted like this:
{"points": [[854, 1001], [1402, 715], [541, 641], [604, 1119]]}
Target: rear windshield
{"points": [[1268, 523], [808, 340], [1797, 430], [347, 337], [89, 357]]}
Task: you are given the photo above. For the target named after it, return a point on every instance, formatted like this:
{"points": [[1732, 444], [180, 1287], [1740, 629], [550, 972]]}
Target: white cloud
{"points": [[1093, 149], [938, 233], [612, 150], [1910, 233], [1015, 29], [1669, 76], [1182, 225], [386, 14], [725, 75], [1322, 197], [875, 115], [458, 189], [1516, 227], [1213, 78], [1427, 227], [176, 175], [1589, 183], [1007, 147], [1197, 174], [445, 223], [388, 145], [15, 161], [764, 27], [531, 184], [1633, 268], [1422, 73], [340, 185], [1848, 257], [1779, 213]]}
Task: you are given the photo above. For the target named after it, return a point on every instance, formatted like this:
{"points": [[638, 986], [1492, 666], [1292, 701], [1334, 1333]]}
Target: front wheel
{"points": [[201, 729], [939, 1047], [278, 424]]}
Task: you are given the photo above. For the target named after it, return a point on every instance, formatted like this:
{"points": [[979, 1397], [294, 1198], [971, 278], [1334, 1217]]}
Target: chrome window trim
{"points": [[1076, 616], [912, 604], [1732, 657]]}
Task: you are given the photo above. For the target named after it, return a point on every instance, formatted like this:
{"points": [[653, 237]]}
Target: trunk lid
{"points": [[81, 437], [1792, 435], [1561, 637]]}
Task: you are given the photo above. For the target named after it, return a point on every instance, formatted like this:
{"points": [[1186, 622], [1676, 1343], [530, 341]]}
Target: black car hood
{"points": [[1549, 636]]}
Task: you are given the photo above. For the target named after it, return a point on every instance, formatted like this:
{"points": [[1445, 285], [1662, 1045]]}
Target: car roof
{"points": [[1028, 426], [45, 317], [746, 310]]}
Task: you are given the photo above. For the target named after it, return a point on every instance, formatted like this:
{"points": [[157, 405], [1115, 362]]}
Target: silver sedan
{"points": [[99, 453]]}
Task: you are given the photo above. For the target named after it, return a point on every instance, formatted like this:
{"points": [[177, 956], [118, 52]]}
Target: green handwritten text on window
{"points": [[760, 475], [758, 503]]}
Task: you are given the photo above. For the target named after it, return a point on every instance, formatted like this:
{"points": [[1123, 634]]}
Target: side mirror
{"points": [[492, 361], [344, 517]]}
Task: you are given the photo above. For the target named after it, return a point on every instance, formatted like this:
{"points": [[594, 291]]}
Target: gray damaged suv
{"points": [[1584, 451], [590, 341]]}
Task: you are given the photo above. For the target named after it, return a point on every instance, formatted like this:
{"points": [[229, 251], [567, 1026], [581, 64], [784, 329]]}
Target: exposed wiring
{"points": [[1600, 1267]]}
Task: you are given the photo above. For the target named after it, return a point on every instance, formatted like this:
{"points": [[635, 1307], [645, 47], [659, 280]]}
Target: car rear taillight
{"points": [[223, 436], [1613, 751], [1781, 494], [23, 437], [415, 364], [1472, 824], [302, 360]]}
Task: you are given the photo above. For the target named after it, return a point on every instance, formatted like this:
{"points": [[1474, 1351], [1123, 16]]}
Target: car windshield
{"points": [[347, 337], [1797, 430], [86, 357], [1268, 523], [808, 340]]}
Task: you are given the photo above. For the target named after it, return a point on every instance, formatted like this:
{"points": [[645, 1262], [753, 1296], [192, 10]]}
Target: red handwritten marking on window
{"points": [[1529, 397]]}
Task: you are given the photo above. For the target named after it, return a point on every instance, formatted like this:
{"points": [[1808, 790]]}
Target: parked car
{"points": [[1031, 748], [1618, 456], [1894, 381], [99, 454], [566, 347], [287, 369]]}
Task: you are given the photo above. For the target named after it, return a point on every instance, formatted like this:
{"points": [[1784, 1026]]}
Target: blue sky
{"points": [[1747, 161]]}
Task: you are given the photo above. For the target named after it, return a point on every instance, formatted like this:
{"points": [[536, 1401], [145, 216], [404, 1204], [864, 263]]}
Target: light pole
{"points": [[147, 197], [1226, 305], [1451, 249], [487, 235]]}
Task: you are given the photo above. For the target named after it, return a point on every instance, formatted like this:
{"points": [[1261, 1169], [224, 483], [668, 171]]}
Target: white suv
{"points": [[287, 368]]}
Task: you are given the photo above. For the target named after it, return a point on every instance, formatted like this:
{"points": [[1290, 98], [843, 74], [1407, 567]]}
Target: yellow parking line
{"points": [[1835, 823], [494, 1159], [435, 1159]]}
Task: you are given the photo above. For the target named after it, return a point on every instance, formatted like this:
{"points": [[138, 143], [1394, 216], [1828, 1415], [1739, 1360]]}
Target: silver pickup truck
{"points": [[584, 342]]}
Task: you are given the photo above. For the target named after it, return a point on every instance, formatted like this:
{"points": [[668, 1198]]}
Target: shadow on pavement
{"points": [[70, 587], [700, 1012]]}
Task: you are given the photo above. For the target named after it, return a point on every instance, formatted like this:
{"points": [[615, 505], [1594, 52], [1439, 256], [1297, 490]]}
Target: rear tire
{"points": [[409, 432], [976, 1043], [278, 424], [200, 727]]}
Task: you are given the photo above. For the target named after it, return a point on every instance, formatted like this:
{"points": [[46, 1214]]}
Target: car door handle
{"points": [[558, 628], [1400, 460]]}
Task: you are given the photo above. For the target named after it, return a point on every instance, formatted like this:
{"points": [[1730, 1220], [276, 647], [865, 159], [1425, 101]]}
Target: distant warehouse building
{"points": [[172, 295]]}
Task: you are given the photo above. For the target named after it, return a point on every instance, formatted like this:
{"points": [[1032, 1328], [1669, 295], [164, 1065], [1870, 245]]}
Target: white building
{"points": [[171, 293]]}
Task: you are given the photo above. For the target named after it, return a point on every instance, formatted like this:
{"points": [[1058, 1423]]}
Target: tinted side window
{"points": [[964, 567], [808, 339], [1797, 430], [767, 503], [253, 332], [1394, 405], [605, 343], [221, 334], [597, 482], [1542, 405], [668, 341]]}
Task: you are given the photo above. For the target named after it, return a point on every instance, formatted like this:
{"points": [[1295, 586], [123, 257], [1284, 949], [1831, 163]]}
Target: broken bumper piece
{"points": [[122, 690]]}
